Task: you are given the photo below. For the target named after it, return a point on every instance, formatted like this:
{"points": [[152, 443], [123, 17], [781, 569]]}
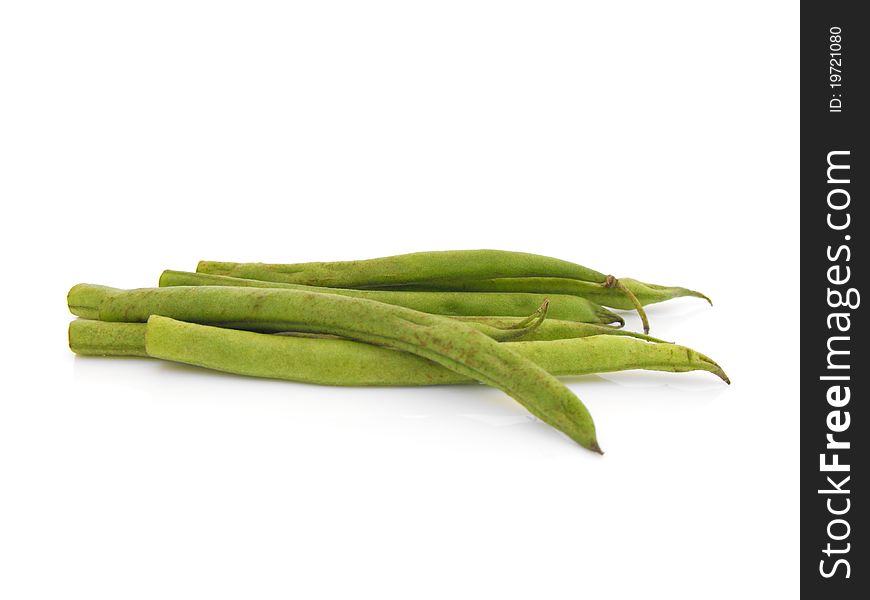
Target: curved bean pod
{"points": [[447, 342]]}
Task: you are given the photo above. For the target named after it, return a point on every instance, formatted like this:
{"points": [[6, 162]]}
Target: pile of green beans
{"points": [[510, 320]]}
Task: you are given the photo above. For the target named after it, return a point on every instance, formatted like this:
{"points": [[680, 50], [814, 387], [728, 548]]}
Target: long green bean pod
{"points": [[448, 342], [561, 306], [336, 361], [422, 267], [102, 338], [408, 268]]}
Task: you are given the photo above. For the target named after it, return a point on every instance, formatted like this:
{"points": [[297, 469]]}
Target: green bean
{"points": [[85, 300], [448, 342], [338, 361], [421, 267], [565, 307], [101, 338], [646, 293], [92, 335], [343, 362], [408, 268]]}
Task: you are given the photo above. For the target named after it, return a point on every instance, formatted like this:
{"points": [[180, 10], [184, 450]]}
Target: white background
{"points": [[645, 139]]}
